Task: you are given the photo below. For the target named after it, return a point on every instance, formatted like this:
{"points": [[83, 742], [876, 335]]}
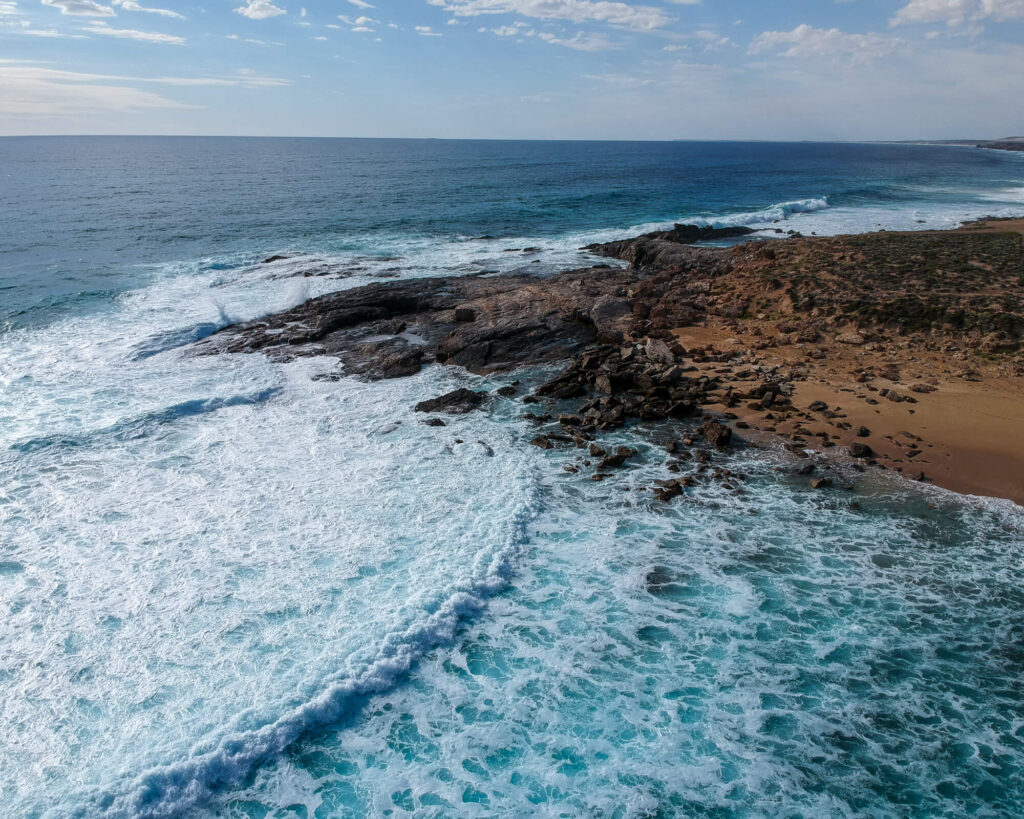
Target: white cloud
{"points": [[251, 40], [8, 8], [579, 42], [427, 31], [52, 33], [702, 39], [621, 80], [807, 41], [32, 92], [637, 18], [361, 3], [100, 27], [958, 12], [81, 8], [259, 10], [505, 31], [131, 5]]}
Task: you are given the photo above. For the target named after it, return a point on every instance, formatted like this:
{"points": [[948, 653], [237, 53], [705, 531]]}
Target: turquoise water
{"points": [[230, 589]]}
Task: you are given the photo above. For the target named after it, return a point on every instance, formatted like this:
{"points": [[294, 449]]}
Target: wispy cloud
{"points": [[958, 12], [807, 41], [624, 15], [81, 8], [52, 33], [37, 93], [427, 31], [99, 27], [579, 42], [131, 5]]}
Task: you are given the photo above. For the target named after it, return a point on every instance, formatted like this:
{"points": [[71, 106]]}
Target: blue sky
{"points": [[574, 69]]}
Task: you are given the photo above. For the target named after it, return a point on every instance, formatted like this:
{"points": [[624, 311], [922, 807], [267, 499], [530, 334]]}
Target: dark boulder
{"points": [[716, 433], [456, 402], [622, 454]]}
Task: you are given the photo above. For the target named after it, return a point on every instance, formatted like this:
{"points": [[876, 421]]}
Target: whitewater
{"points": [[240, 588]]}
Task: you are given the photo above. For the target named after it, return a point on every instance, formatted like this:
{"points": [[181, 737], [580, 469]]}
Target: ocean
{"points": [[231, 589]]}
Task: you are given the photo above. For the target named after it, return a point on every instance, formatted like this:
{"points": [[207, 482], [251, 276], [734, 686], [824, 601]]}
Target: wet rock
{"points": [[716, 433], [507, 391], [434, 422], [456, 402], [465, 314], [667, 490], [863, 432], [820, 483], [858, 450], [817, 406], [543, 442], [622, 454]]}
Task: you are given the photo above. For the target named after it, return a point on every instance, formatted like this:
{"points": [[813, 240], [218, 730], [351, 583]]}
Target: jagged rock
{"points": [[820, 483], [434, 422], [622, 454], [456, 402], [858, 450], [667, 490], [658, 350], [855, 339], [543, 442], [863, 432], [465, 314], [717, 434], [611, 317]]}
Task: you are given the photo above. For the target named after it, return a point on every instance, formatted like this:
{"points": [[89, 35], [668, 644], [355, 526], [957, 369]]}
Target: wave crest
{"points": [[773, 213]]}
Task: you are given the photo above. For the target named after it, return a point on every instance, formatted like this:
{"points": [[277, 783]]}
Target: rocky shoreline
{"points": [[718, 341]]}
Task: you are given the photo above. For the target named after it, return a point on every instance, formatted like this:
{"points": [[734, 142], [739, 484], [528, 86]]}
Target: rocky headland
{"points": [[897, 351], [1005, 144]]}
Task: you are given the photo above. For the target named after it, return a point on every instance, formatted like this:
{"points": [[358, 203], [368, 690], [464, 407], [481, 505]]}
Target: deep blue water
{"points": [[231, 589], [81, 213]]}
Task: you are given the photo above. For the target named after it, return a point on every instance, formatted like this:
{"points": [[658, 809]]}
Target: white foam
{"points": [[207, 557], [777, 667]]}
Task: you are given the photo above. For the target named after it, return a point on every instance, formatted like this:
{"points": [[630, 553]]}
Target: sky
{"points": [[515, 69]]}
